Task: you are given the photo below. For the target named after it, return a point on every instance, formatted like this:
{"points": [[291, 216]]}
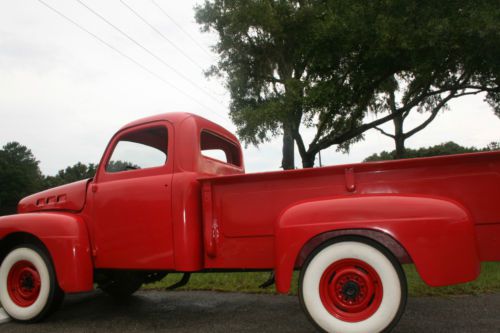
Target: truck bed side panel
{"points": [[246, 208]]}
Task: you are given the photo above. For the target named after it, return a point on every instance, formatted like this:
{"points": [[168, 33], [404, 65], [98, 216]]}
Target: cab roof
{"points": [[177, 117], [172, 117]]}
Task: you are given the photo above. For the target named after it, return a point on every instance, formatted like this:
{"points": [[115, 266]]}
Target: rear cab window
{"points": [[220, 149]]}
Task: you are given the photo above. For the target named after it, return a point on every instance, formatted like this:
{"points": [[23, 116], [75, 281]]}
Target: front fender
{"points": [[437, 233], [66, 238]]}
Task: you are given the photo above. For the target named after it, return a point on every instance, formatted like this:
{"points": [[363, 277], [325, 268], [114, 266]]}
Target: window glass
{"points": [[140, 150], [218, 148], [216, 154]]}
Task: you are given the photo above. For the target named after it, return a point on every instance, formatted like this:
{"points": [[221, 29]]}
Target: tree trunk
{"points": [[399, 137], [308, 160], [400, 147], [288, 161]]}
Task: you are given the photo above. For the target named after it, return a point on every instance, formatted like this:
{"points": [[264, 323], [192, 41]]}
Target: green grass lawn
{"points": [[489, 281]]}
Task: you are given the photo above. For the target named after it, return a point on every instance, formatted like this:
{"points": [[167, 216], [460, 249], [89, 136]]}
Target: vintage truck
{"points": [[171, 195]]}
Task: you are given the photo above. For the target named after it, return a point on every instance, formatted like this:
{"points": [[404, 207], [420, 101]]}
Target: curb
{"points": [[3, 316]]}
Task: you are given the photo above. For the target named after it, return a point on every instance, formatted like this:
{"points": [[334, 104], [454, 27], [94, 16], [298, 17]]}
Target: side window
{"points": [[220, 149], [142, 149]]}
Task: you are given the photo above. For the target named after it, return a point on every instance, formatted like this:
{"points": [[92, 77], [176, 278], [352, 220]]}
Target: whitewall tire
{"points": [[28, 284], [353, 285]]}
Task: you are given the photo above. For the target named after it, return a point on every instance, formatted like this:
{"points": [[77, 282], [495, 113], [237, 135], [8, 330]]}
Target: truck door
{"points": [[131, 208]]}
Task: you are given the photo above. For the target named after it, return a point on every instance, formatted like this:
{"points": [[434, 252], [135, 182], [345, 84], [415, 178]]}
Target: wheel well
{"points": [[15, 239], [379, 237]]}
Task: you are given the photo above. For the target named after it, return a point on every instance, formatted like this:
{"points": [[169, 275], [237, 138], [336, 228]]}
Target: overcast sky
{"points": [[63, 93]]}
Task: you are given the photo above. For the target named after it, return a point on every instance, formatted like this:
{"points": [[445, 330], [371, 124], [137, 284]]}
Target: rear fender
{"points": [[436, 234], [65, 237]]}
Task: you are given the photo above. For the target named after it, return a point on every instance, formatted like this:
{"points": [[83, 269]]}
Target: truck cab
{"points": [[144, 199]]}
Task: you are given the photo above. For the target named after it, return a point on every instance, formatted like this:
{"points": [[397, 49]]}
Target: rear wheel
{"points": [[28, 284], [353, 285]]}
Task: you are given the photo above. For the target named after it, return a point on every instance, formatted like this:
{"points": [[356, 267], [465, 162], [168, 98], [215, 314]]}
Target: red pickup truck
{"points": [[171, 195]]}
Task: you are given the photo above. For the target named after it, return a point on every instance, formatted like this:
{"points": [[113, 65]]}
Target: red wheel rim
{"points": [[351, 290], [24, 283]]}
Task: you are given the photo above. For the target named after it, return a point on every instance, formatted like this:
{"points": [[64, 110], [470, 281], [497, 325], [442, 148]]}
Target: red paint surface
{"points": [[345, 304], [196, 213], [66, 238], [23, 283], [69, 197]]}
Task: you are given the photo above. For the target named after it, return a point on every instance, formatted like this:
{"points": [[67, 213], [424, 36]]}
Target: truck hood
{"points": [[69, 197]]}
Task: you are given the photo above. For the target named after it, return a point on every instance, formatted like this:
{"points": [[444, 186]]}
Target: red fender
{"points": [[437, 233], [65, 237]]}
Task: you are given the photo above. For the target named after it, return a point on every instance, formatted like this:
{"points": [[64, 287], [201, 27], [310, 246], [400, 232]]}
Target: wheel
{"points": [[353, 285], [29, 291], [122, 284]]}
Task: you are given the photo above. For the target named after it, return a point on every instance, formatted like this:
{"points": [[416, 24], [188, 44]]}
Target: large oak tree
{"points": [[328, 64]]}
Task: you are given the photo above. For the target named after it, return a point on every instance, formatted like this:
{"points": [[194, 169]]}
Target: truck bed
{"points": [[243, 209]]}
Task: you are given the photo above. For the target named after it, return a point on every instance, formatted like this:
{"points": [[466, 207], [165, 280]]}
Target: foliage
{"points": [[414, 55], [263, 51], [329, 64], [81, 171], [19, 176], [71, 174], [447, 148], [458, 55], [117, 166]]}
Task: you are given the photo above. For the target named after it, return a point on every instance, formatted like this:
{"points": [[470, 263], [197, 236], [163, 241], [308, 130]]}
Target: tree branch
{"points": [[300, 144], [354, 132], [469, 93], [405, 114], [433, 115], [436, 109], [481, 88], [319, 130], [328, 141], [384, 132]]}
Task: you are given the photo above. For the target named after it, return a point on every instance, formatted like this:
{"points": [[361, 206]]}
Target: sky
{"points": [[64, 91]]}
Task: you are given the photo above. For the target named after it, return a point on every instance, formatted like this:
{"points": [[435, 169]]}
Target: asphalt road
{"points": [[151, 311]]}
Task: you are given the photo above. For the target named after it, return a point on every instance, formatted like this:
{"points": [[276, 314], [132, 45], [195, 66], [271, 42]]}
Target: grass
{"points": [[488, 282]]}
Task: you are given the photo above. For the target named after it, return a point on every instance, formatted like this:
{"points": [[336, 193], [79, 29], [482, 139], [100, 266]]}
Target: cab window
{"points": [[220, 149], [142, 149]]}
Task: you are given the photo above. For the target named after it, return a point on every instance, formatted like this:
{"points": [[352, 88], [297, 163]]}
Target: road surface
{"points": [[179, 312]]}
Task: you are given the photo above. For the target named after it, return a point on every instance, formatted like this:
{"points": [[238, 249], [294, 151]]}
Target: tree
{"points": [[447, 148], [263, 50], [328, 64], [71, 174], [431, 105], [471, 32], [412, 55], [19, 176]]}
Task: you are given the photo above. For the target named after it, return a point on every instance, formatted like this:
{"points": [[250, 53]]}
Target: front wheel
{"points": [[28, 285], [353, 285]]}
